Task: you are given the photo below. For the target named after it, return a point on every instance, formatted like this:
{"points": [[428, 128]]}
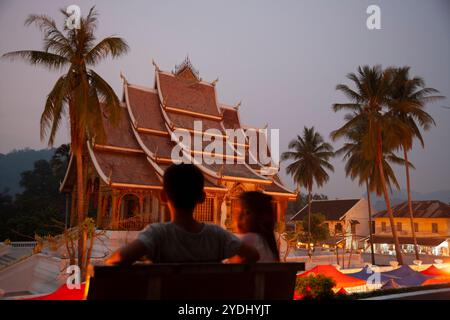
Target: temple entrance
{"points": [[129, 206]]}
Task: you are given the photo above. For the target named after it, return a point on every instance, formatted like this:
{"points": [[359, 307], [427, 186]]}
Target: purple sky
{"points": [[283, 59]]}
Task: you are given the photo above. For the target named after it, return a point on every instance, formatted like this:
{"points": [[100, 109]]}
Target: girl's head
{"points": [[258, 216]]}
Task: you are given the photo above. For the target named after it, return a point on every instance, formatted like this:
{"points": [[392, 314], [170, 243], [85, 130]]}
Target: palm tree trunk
{"points": [[372, 252], [80, 204], [337, 248], [351, 252], [411, 215], [398, 252], [309, 223]]}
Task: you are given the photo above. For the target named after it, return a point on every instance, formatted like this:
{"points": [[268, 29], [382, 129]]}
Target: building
{"points": [[124, 173], [431, 226], [347, 220]]}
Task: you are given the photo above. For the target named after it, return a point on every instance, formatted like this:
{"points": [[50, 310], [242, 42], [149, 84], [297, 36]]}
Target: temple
{"points": [[124, 173]]}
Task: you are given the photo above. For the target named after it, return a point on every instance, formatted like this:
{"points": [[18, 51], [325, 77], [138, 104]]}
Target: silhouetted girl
{"points": [[256, 224]]}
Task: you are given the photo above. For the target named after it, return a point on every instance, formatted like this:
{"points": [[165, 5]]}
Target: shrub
{"points": [[315, 287]]}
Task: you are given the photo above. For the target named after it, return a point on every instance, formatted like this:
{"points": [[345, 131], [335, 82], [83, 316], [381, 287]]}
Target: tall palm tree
{"points": [[408, 99], [368, 103], [310, 155], [365, 170], [78, 92]]}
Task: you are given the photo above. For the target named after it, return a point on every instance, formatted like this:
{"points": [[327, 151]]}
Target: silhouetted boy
{"points": [[184, 239]]}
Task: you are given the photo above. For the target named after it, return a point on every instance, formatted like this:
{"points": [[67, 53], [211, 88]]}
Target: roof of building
{"points": [[331, 209], [421, 209], [137, 151]]}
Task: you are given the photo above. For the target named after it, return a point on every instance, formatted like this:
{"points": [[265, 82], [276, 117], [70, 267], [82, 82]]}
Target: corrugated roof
{"points": [[421, 209], [331, 209]]}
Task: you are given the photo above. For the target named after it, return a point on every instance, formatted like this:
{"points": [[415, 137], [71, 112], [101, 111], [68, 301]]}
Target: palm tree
{"points": [[368, 103], [78, 92], [408, 99], [365, 170], [310, 155]]}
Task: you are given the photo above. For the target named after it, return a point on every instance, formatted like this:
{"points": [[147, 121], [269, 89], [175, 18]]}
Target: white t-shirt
{"points": [[167, 242], [258, 242]]}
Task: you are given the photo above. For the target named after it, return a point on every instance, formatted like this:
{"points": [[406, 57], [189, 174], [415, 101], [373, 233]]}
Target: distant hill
{"points": [[401, 196], [15, 162]]}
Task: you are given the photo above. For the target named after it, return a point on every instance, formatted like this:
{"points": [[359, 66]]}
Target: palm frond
{"points": [[110, 46], [47, 59]]}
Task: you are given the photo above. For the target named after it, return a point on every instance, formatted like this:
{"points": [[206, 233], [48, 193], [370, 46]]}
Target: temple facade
{"points": [[124, 174]]}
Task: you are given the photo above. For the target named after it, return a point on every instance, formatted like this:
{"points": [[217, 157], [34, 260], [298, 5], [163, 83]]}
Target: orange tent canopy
{"points": [[341, 279], [433, 271], [342, 291], [437, 280], [64, 293]]}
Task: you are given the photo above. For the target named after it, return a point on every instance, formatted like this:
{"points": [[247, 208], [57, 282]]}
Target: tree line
{"points": [[40, 208]]}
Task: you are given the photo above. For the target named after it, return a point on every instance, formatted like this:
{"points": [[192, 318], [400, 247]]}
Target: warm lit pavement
{"points": [[437, 294]]}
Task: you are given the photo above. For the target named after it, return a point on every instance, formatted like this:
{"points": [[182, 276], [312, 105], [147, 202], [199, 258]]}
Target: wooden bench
{"points": [[208, 281]]}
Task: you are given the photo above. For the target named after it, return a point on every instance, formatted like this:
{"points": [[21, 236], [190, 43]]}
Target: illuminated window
{"points": [[204, 211], [416, 227], [399, 226], [434, 227], [383, 226]]}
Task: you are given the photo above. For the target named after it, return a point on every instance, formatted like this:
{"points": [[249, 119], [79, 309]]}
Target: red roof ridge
{"points": [[97, 167], [201, 81], [143, 88], [227, 106]]}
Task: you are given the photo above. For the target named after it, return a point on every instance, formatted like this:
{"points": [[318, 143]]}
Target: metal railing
{"points": [[23, 244], [131, 224]]}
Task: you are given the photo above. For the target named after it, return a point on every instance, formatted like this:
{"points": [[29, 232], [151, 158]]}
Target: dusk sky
{"points": [[283, 59]]}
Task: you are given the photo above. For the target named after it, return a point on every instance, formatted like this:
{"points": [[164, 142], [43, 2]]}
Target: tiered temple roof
{"points": [[138, 149]]}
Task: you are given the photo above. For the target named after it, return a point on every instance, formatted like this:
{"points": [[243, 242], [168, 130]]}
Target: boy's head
{"points": [[183, 185]]}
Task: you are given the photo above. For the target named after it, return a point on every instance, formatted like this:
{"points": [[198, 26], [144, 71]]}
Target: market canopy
{"points": [[64, 293], [439, 275], [437, 280], [342, 280], [434, 271], [367, 271], [390, 284], [407, 277]]}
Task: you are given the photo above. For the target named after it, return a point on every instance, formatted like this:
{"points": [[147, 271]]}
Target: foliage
{"points": [[17, 161], [35, 210], [315, 287], [300, 202], [310, 155], [319, 231]]}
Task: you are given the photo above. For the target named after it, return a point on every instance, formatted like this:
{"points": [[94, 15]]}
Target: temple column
{"points": [[281, 213], [115, 210], [229, 217], [218, 199], [100, 208], [141, 203]]}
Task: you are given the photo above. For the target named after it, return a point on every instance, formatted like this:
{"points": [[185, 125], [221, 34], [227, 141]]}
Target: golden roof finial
{"points": [[110, 175], [215, 82], [155, 65], [122, 76], [221, 170]]}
